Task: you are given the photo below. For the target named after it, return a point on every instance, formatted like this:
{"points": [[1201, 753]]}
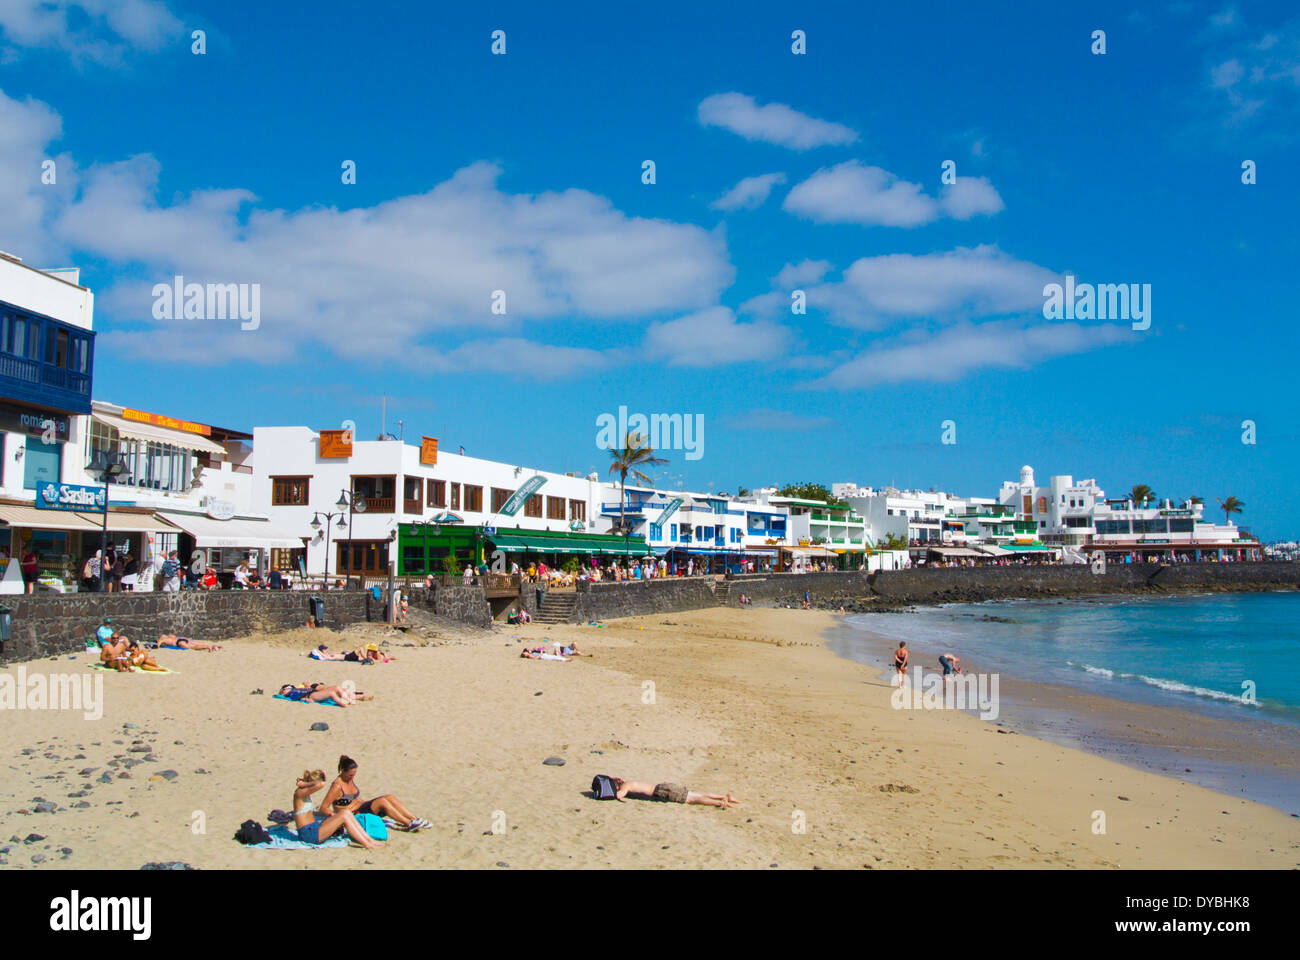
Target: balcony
{"points": [[381, 504], [32, 381], [631, 509], [412, 505]]}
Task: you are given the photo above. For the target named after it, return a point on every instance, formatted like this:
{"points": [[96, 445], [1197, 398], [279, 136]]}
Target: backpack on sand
{"points": [[250, 831], [602, 788]]}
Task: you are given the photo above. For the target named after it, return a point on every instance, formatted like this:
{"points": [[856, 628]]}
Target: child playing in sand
{"points": [[672, 793], [312, 830]]}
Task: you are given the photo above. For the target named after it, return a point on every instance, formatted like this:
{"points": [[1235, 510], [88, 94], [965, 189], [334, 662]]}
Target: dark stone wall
{"points": [[599, 601], [453, 601], [46, 624], [634, 598]]}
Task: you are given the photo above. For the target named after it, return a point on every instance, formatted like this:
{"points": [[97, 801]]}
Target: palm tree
{"points": [[1196, 499], [1140, 494], [1229, 507], [635, 453]]}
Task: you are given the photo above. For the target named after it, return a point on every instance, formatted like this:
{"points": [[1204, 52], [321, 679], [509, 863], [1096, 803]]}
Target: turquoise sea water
{"points": [[1227, 657], [1189, 652]]}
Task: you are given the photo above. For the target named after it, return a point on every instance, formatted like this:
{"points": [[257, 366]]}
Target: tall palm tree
{"points": [[1196, 499], [635, 453], [1140, 494], [1229, 507]]}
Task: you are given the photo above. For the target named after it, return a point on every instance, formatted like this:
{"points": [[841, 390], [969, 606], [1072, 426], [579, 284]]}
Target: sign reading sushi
{"points": [[69, 496]]}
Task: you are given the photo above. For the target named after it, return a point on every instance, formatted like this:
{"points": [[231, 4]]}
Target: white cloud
{"points": [[381, 283], [956, 352], [773, 123], [851, 192], [800, 274], [100, 30], [970, 197], [712, 337], [749, 193], [1259, 76]]}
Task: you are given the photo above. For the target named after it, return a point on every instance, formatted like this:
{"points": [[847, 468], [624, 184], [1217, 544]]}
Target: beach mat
{"points": [[105, 666], [282, 838], [329, 702]]}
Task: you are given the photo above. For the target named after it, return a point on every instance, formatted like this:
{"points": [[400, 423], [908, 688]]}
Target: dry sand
{"points": [[743, 700]]}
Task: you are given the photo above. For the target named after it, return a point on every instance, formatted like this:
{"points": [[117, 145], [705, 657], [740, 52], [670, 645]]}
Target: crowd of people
{"points": [[115, 571]]}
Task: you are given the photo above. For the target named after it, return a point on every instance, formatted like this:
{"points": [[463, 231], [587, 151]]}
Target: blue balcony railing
{"points": [[25, 379], [630, 508]]}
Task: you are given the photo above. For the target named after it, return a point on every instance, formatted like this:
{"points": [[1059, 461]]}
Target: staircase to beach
{"points": [[722, 593], [556, 608]]}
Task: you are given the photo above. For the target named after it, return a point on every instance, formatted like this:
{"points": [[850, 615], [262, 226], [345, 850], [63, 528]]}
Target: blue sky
{"points": [[774, 172]]}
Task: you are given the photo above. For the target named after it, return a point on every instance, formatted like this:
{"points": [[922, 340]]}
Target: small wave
{"points": [[1175, 686], [1172, 686]]}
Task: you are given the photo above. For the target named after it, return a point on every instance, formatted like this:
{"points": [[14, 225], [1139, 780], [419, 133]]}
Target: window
{"points": [[437, 493], [286, 560], [554, 508], [499, 498], [1042, 504], [533, 508], [578, 510], [411, 489], [40, 463], [473, 498], [155, 466], [672, 532], [455, 496], [289, 491], [656, 532]]}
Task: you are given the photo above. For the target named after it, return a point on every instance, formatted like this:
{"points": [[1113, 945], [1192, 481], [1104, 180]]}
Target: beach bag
{"points": [[374, 826], [602, 788], [250, 831]]}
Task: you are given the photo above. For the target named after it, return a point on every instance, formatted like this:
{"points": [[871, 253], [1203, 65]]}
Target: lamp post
{"points": [[316, 525], [108, 465], [353, 502]]}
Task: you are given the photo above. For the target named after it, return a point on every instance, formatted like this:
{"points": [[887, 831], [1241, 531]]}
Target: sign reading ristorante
{"points": [[70, 496], [158, 420]]}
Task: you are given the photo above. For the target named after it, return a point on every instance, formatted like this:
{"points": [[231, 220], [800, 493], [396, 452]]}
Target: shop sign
{"points": [[171, 423], [429, 451], [69, 496], [33, 422], [531, 486], [335, 444], [220, 509]]}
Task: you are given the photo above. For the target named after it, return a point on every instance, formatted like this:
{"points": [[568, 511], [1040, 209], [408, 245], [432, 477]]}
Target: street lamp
{"points": [[108, 465], [352, 502], [316, 525]]}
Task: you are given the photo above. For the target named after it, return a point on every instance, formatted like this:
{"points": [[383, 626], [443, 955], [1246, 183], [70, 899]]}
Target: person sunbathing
{"points": [[139, 657], [114, 653], [373, 654], [540, 654], [344, 793], [316, 692], [313, 830], [322, 653], [672, 793], [568, 650], [171, 640]]}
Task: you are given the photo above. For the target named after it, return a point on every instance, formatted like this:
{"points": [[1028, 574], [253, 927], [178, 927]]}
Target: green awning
{"points": [[522, 543]]}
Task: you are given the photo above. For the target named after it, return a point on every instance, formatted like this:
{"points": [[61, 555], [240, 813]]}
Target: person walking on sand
{"points": [[900, 661], [671, 793], [313, 830]]}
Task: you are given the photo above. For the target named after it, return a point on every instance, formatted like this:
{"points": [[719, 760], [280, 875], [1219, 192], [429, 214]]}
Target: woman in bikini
{"points": [[140, 658], [900, 662], [344, 793], [185, 643], [312, 830], [317, 692]]}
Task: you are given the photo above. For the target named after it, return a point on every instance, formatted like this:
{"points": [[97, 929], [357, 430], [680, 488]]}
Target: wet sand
{"points": [[750, 701]]}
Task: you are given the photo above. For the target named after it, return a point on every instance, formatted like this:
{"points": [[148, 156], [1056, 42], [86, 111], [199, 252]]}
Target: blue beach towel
{"points": [[324, 703], [282, 838]]}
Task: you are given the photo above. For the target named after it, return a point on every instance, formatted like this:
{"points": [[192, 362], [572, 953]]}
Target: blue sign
{"points": [[70, 496], [489, 531]]}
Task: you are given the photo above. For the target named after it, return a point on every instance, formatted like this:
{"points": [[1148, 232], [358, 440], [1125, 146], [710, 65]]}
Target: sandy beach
{"points": [[748, 701]]}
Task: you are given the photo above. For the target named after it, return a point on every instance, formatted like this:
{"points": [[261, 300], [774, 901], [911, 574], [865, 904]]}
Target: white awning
{"points": [[994, 551], [208, 532], [145, 431], [129, 522], [24, 516]]}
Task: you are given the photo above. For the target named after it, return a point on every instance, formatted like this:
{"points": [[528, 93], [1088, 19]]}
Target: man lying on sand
{"points": [[672, 793], [539, 653], [185, 643], [317, 692], [568, 650]]}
